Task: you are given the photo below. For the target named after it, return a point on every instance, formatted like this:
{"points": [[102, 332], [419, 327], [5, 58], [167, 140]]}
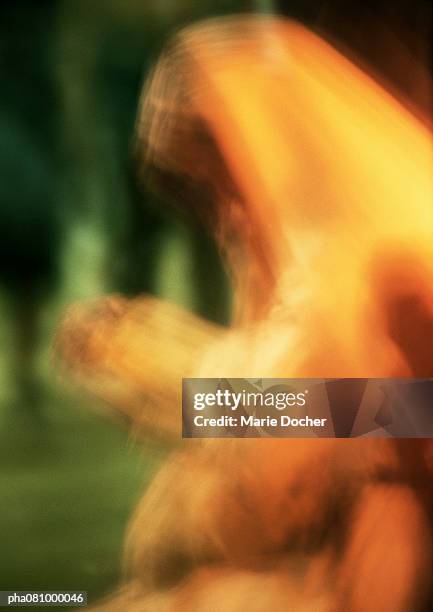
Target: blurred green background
{"points": [[75, 225]]}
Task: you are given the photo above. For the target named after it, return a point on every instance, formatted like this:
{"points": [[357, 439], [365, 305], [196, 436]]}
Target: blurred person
{"points": [[239, 117]]}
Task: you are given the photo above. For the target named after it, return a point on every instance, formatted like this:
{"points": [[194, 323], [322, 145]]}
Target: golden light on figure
{"points": [[321, 162], [318, 185]]}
